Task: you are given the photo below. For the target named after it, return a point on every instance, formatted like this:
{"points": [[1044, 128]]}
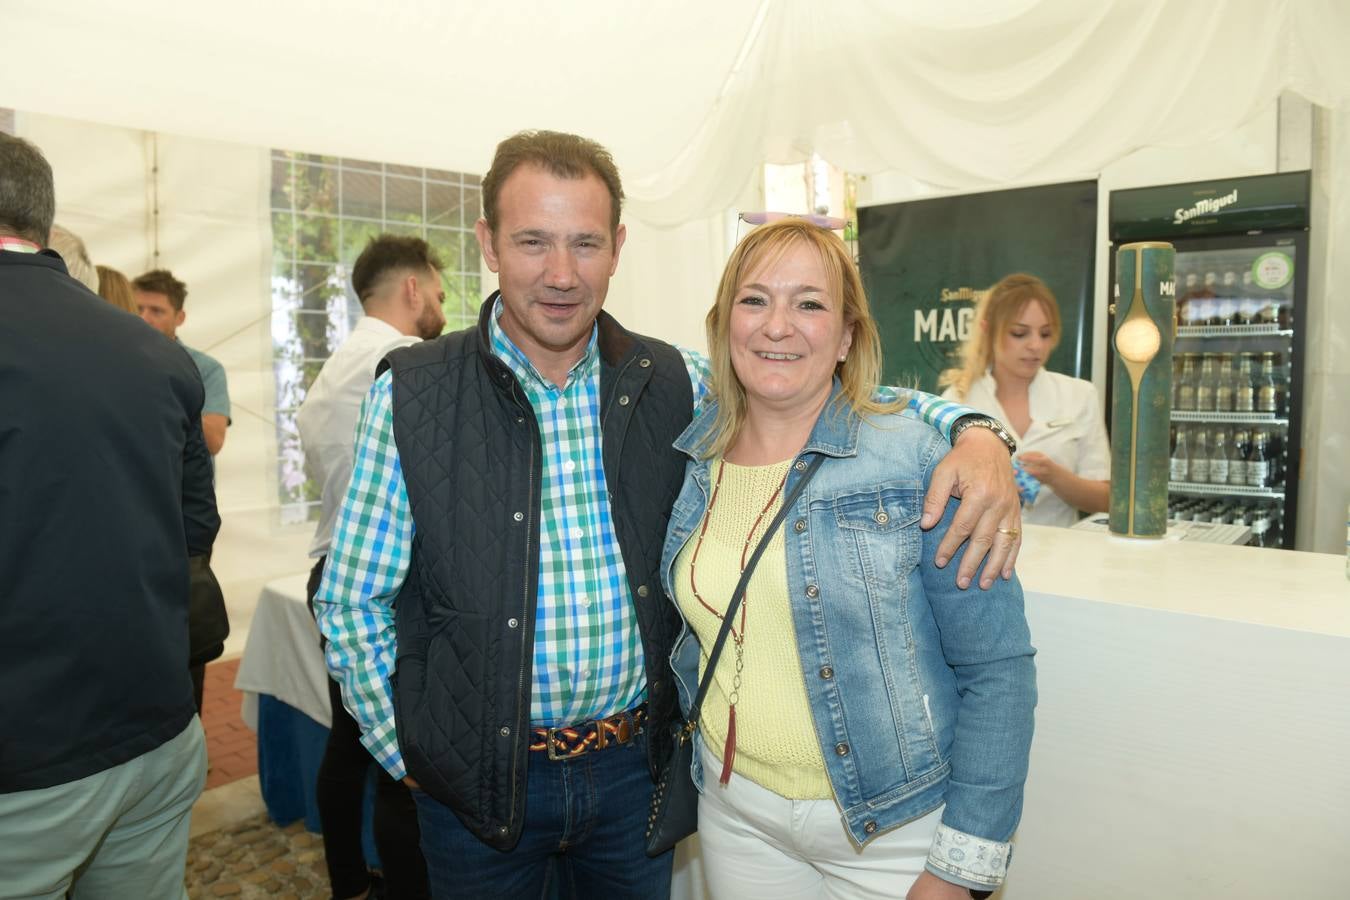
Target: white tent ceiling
{"points": [[690, 96]]}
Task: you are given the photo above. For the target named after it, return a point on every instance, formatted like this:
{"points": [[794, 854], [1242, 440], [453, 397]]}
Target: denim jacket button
{"points": [[881, 517], [800, 465], [799, 526], [826, 672], [841, 748], [812, 591], [870, 827]]}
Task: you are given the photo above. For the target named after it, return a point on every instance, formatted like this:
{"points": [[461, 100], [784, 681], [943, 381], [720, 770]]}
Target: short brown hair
{"points": [[114, 287], [386, 253], [559, 154], [161, 281]]}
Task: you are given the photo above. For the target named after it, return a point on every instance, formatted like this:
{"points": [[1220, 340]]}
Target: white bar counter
{"points": [[1193, 730]]}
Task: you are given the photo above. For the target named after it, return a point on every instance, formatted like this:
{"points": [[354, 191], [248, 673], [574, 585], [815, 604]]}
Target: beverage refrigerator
{"points": [[1237, 382]]}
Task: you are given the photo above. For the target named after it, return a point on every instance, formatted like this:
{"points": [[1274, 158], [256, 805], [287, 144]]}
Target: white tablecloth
{"points": [[281, 655]]}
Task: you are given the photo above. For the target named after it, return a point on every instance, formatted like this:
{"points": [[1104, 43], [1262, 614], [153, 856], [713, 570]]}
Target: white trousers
{"points": [[756, 844]]}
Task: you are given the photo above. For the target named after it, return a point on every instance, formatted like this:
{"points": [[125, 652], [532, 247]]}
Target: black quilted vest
{"points": [[470, 452]]}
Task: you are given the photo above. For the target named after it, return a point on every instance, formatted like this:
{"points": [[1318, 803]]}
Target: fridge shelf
{"points": [[1216, 490], [1229, 331], [1244, 418]]}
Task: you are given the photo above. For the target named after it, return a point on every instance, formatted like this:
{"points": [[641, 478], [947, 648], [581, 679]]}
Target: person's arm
{"points": [[213, 429], [366, 567], [1086, 484], [1083, 494], [201, 521], [216, 408], [987, 644], [979, 472]]}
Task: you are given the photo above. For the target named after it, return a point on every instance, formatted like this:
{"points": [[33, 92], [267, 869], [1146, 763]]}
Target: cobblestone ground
{"points": [[255, 860]]}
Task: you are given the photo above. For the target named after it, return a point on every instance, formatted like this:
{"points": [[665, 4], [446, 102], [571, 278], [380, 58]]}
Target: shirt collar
{"points": [[16, 244], [375, 325], [506, 350]]}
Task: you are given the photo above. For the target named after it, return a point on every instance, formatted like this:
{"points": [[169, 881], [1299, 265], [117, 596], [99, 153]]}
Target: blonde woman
{"points": [[870, 721], [114, 287], [1055, 418]]}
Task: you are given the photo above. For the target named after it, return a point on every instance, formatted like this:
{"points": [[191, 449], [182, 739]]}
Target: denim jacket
{"points": [[921, 694]]}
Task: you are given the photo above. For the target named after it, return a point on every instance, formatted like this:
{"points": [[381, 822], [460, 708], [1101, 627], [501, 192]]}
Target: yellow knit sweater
{"points": [[776, 744]]}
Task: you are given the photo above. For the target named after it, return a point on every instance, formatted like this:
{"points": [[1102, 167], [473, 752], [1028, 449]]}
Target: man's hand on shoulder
{"points": [[979, 471]]}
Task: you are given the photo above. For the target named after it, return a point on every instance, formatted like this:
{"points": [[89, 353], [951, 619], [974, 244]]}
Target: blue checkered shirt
{"points": [[588, 658]]}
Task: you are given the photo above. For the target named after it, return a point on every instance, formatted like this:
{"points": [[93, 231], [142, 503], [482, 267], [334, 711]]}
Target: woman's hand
{"points": [[931, 887], [1041, 467], [978, 471]]}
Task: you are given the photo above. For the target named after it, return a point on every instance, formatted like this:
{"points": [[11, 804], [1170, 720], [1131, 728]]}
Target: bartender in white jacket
{"points": [[1064, 458]]}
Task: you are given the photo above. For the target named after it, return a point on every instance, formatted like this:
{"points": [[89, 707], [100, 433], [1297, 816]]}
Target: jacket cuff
{"points": [[967, 860]]}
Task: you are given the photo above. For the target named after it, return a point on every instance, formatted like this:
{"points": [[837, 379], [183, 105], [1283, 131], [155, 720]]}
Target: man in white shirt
{"points": [[398, 281]]}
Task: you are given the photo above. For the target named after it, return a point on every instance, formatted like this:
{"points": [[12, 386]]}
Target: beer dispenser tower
{"points": [[1141, 408]]}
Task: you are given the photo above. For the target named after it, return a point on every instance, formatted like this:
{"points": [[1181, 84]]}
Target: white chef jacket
{"points": [[1066, 425], [327, 417]]}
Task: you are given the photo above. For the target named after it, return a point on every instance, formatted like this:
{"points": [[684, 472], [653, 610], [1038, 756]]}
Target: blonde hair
{"points": [[114, 287], [74, 255], [762, 248], [994, 315]]}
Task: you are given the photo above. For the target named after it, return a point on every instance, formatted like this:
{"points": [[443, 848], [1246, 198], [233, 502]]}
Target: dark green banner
{"points": [[924, 262]]}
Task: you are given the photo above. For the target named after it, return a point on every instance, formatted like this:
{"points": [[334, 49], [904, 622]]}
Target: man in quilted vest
{"points": [[491, 598]]}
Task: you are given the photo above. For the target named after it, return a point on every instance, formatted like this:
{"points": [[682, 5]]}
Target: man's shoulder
{"points": [[206, 363], [448, 348]]}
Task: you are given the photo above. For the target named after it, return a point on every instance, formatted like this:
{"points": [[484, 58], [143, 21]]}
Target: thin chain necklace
{"points": [[737, 638]]}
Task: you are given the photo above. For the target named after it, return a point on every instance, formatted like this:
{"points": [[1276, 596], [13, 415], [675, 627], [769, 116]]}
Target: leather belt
{"points": [[571, 741]]}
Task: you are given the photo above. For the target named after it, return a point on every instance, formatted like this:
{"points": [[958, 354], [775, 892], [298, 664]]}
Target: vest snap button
{"points": [[511, 623], [645, 363], [519, 517], [642, 590], [623, 401], [506, 731]]}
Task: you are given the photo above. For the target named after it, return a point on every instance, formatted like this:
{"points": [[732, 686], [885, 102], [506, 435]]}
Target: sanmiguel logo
{"points": [[947, 324], [1204, 207]]}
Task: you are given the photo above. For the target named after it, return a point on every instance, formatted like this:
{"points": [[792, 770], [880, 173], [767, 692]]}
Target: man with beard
{"points": [[398, 281]]}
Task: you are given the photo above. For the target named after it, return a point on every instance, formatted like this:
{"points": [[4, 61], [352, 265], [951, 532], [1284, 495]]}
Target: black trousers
{"points": [[340, 790]]}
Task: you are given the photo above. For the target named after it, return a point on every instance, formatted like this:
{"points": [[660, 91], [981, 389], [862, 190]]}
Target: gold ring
{"points": [[1010, 532]]}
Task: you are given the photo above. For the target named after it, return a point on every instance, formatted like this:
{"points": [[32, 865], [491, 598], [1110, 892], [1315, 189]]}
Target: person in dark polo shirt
{"points": [[105, 489]]}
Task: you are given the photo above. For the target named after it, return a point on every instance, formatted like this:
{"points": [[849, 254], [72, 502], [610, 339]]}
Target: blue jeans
{"points": [[585, 822]]}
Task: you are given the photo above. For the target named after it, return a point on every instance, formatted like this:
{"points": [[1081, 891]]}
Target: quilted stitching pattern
{"points": [[470, 465]]}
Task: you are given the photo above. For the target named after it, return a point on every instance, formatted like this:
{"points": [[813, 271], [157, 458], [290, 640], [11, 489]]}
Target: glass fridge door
{"points": [[1236, 388]]}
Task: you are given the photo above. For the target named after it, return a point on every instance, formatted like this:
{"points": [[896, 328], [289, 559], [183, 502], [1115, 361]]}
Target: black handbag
{"points": [[208, 621], [674, 810]]}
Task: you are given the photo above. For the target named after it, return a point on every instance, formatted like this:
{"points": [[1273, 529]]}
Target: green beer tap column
{"points": [[1141, 407]]}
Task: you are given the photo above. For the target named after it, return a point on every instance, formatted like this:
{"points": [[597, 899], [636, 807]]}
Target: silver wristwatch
{"points": [[983, 421]]}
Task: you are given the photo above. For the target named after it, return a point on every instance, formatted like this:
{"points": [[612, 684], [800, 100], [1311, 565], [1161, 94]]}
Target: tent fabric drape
{"points": [[1049, 90], [691, 97]]}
